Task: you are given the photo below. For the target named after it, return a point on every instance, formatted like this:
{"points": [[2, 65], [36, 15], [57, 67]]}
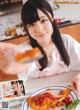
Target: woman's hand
{"points": [[75, 83], [7, 59], [10, 48], [19, 89]]}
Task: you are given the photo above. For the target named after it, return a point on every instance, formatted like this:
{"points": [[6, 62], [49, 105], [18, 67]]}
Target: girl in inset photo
{"points": [[12, 89], [18, 88]]}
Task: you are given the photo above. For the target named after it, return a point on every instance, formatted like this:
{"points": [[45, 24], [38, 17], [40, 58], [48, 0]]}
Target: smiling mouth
{"points": [[42, 35]]}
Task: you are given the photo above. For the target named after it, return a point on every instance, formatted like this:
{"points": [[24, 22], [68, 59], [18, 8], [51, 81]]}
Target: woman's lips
{"points": [[42, 35]]}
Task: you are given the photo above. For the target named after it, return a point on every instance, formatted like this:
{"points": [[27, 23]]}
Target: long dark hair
{"points": [[22, 87], [29, 15]]}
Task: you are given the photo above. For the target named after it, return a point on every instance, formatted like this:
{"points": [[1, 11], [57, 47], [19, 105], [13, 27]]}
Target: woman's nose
{"points": [[39, 27]]}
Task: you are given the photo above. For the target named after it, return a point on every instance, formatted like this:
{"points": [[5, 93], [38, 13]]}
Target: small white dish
{"points": [[8, 37]]}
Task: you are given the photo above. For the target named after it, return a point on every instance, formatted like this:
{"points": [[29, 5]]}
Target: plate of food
{"points": [[51, 98]]}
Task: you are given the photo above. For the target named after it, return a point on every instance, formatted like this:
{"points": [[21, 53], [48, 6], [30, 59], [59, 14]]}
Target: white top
{"points": [[55, 65]]}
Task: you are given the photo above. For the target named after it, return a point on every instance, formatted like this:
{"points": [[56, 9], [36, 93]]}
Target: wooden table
{"points": [[17, 40], [73, 30], [5, 77]]}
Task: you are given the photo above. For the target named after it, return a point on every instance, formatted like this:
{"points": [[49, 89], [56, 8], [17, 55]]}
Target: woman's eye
{"points": [[30, 25], [44, 20]]}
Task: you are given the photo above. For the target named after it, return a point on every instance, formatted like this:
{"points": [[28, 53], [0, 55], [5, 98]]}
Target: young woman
{"points": [[60, 52], [18, 88]]}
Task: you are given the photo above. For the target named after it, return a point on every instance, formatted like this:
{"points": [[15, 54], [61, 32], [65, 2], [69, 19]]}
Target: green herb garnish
{"points": [[73, 105]]}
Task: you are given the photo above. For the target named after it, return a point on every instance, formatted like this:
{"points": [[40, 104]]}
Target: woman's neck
{"points": [[45, 45], [48, 49]]}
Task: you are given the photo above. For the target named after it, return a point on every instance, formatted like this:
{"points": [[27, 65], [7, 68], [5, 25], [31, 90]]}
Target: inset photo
{"points": [[13, 89]]}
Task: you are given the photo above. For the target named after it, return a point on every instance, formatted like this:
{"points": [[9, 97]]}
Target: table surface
{"points": [[56, 80], [33, 84]]}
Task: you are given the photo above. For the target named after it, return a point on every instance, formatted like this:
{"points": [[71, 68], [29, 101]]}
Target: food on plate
{"points": [[29, 55], [65, 92], [48, 101], [9, 96]]}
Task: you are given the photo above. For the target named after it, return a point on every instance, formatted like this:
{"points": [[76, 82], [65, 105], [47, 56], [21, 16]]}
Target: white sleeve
{"points": [[31, 73], [73, 49]]}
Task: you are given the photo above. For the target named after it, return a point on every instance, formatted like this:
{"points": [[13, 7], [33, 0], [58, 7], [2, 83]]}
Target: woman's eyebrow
{"points": [[42, 16]]}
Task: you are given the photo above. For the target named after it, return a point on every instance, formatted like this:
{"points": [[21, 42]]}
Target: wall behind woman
{"points": [[68, 9], [12, 18]]}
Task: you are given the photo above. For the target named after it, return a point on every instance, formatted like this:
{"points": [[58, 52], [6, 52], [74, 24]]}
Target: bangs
{"points": [[31, 15]]}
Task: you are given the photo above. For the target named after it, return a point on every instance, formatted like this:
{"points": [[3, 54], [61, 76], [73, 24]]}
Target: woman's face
{"points": [[42, 29], [15, 87]]}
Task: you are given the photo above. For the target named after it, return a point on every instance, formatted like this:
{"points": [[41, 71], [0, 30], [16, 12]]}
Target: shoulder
{"points": [[67, 38], [69, 42]]}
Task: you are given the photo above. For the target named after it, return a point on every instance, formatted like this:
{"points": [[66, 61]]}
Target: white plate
{"points": [[8, 37], [55, 90]]}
